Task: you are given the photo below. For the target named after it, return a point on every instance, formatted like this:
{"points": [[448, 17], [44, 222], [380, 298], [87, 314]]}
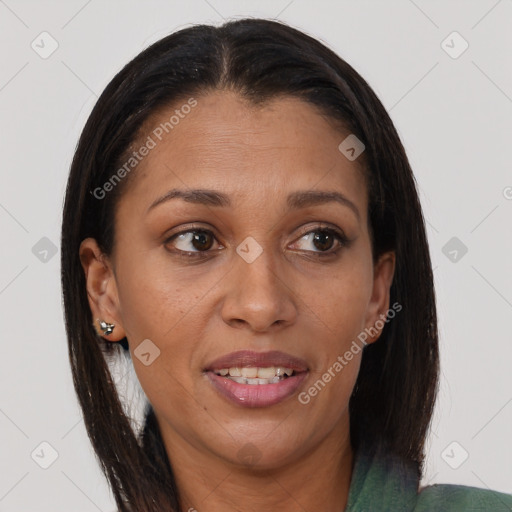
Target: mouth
{"points": [[256, 376], [253, 379]]}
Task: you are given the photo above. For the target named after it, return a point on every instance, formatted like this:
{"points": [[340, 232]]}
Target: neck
{"points": [[208, 483]]}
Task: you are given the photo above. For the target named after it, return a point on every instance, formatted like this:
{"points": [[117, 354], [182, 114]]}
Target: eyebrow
{"points": [[303, 199], [296, 200]]}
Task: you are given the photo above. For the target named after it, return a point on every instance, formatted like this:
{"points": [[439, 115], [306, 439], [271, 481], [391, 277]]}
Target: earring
{"points": [[105, 327]]}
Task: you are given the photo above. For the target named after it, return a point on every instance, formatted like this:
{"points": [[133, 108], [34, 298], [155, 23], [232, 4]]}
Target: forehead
{"points": [[227, 143]]}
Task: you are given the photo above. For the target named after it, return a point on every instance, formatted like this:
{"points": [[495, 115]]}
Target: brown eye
{"points": [[192, 240], [323, 240], [202, 240]]}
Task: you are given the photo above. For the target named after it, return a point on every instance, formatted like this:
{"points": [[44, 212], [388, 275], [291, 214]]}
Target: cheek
{"points": [[154, 295], [154, 307], [168, 304], [324, 402], [340, 304], [341, 298]]}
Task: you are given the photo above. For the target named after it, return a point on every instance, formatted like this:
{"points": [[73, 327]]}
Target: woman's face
{"points": [[245, 265]]}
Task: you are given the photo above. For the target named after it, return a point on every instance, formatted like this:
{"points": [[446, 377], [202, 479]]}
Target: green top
{"points": [[381, 484]]}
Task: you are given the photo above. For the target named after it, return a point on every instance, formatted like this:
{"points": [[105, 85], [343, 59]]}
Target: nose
{"points": [[259, 297]]}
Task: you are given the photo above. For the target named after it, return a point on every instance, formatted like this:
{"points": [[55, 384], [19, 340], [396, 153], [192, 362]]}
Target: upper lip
{"points": [[248, 358]]}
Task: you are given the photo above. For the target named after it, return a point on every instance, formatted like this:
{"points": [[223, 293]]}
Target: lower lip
{"points": [[257, 395]]}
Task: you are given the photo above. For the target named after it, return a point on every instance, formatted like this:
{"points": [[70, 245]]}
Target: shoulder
{"points": [[454, 498]]}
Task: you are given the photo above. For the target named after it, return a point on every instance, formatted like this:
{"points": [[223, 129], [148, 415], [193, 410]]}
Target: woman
{"points": [[241, 218]]}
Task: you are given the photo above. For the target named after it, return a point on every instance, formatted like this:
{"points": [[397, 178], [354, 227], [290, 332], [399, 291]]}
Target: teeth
{"points": [[250, 373], [254, 375], [267, 373], [244, 380], [235, 372]]}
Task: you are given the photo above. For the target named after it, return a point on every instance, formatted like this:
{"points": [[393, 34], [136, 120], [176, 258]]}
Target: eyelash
{"points": [[342, 239], [339, 236]]}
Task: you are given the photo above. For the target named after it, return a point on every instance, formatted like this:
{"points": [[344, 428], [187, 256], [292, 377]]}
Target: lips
{"points": [[262, 394], [247, 358]]}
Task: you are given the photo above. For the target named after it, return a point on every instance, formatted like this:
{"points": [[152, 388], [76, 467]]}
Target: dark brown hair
{"points": [[392, 402]]}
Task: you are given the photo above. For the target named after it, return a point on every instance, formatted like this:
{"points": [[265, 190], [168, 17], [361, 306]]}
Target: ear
{"points": [[378, 306], [101, 289]]}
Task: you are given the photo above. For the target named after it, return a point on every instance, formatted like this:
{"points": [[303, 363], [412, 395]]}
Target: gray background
{"points": [[454, 117]]}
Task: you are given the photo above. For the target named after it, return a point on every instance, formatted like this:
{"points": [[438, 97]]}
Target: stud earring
{"points": [[105, 327]]}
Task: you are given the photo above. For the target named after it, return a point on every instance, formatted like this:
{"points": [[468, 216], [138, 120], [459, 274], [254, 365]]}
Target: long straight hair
{"points": [[392, 403]]}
